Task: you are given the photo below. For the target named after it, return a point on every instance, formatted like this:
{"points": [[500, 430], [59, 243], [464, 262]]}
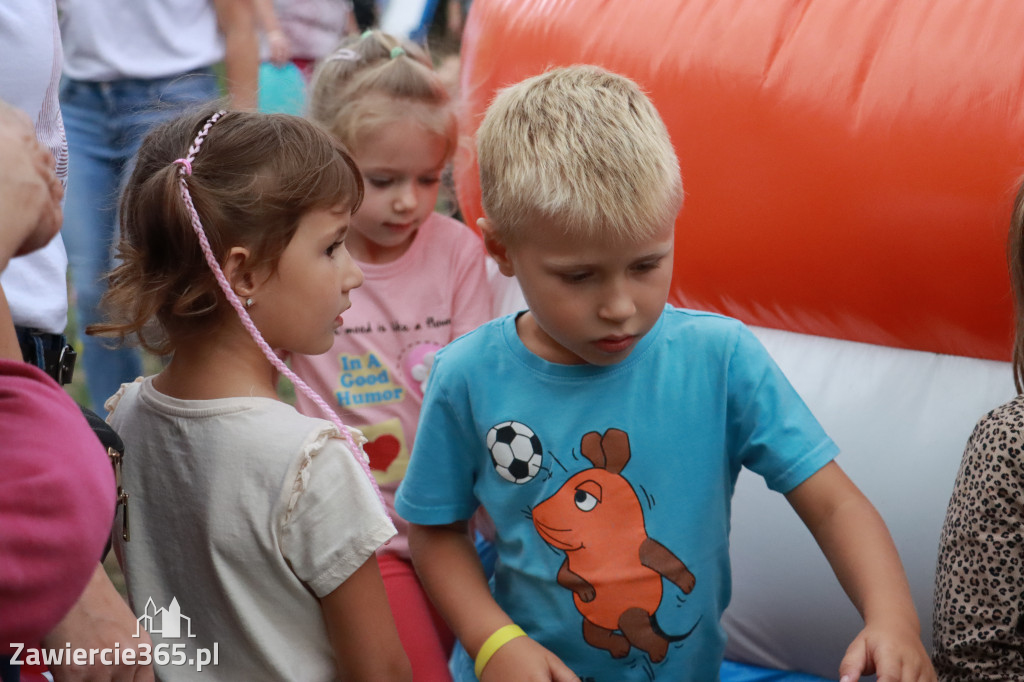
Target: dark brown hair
{"points": [[1015, 260], [253, 179]]}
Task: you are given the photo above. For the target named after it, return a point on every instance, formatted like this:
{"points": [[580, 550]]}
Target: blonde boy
{"points": [[604, 430]]}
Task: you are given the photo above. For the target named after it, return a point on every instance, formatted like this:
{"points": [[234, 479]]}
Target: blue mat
{"points": [[740, 672]]}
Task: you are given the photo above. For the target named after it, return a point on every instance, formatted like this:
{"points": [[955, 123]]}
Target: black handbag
{"points": [[115, 450]]}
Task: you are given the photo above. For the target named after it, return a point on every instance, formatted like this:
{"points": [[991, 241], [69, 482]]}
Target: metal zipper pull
{"points": [[122, 500], [116, 458]]}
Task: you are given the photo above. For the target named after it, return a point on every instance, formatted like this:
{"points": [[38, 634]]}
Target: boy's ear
{"points": [[495, 247], [239, 274]]}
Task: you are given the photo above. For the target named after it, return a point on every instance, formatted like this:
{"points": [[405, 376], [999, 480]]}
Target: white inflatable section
{"points": [[407, 18], [901, 419]]}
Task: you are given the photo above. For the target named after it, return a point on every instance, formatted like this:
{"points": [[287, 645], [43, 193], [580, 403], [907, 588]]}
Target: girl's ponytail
{"points": [[154, 251]]}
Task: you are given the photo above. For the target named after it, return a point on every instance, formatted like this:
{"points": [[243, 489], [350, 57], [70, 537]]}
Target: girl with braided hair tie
{"points": [[426, 284], [259, 523]]}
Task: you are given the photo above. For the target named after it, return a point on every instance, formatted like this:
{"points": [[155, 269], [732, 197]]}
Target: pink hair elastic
{"points": [[236, 303]]}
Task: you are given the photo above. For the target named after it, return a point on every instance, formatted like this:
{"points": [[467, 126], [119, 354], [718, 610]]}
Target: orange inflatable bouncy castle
{"points": [[849, 169], [848, 165]]}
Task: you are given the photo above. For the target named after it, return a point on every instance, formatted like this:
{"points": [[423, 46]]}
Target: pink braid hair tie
{"points": [[186, 166], [243, 314]]}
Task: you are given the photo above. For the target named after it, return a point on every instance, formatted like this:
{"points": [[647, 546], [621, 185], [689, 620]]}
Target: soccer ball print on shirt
{"points": [[515, 451]]}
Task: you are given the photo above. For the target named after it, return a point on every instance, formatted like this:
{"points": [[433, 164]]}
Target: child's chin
{"points": [[318, 349]]}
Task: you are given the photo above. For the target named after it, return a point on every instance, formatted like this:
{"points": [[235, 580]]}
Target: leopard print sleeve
{"points": [[979, 584]]}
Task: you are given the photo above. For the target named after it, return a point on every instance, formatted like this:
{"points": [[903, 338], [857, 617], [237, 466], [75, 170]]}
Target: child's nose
{"points": [[617, 305], [353, 276], [405, 199]]}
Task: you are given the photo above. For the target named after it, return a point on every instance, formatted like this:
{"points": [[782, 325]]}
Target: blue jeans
{"points": [[105, 124]]}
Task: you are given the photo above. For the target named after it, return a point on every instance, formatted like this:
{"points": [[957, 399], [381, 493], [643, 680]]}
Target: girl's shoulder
{"points": [[125, 395], [1001, 430], [259, 426]]}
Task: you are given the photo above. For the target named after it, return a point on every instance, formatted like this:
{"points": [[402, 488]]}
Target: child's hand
{"points": [[524, 660], [280, 47], [894, 654]]}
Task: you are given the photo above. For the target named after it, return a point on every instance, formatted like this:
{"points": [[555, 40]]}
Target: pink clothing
{"points": [[56, 503], [404, 312], [425, 636]]}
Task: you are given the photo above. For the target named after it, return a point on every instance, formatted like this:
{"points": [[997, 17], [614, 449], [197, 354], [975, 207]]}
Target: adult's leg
{"points": [[105, 126], [94, 177], [146, 104]]}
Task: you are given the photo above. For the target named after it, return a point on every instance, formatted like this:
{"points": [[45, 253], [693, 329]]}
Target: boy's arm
{"points": [[361, 629], [450, 570], [857, 544]]}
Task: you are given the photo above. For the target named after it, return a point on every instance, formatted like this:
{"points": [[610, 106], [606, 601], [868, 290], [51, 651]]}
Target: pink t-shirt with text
{"points": [[405, 311]]}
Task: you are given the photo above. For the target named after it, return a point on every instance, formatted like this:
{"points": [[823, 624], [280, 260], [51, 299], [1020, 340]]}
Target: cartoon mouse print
{"points": [[612, 568]]}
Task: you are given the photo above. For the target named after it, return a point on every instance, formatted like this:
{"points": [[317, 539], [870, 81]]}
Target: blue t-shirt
{"points": [[610, 487]]}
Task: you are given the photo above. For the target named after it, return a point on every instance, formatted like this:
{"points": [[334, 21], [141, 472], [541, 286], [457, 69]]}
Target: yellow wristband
{"points": [[498, 639]]}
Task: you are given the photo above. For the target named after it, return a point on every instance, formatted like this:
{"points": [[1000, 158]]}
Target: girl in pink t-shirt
{"points": [[425, 283]]}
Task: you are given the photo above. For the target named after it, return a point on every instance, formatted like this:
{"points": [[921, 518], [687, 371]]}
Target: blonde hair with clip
{"points": [[351, 88], [581, 148]]}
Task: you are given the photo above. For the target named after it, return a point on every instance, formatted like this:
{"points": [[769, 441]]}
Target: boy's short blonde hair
{"points": [[579, 147]]}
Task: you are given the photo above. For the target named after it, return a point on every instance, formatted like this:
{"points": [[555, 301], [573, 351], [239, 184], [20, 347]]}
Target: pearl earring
{"points": [[248, 303]]}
